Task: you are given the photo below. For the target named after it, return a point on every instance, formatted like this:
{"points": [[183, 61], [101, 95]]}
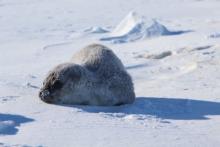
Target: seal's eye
{"points": [[57, 85]]}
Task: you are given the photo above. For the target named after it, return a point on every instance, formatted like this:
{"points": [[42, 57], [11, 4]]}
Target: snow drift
{"points": [[133, 27]]}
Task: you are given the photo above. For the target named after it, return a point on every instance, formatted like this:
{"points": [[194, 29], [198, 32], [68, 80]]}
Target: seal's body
{"points": [[94, 76]]}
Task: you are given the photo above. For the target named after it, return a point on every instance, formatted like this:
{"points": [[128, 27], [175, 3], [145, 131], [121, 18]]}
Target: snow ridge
{"points": [[134, 27]]}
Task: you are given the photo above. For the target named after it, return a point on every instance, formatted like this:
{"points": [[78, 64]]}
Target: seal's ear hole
{"points": [[57, 85]]}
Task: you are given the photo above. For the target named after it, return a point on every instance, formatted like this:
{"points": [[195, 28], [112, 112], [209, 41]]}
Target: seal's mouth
{"points": [[46, 96]]}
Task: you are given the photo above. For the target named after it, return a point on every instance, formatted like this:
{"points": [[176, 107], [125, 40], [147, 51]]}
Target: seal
{"points": [[94, 76]]}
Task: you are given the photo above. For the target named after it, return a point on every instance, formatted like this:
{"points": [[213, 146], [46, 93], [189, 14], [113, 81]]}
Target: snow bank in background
{"points": [[131, 21], [96, 30], [134, 27]]}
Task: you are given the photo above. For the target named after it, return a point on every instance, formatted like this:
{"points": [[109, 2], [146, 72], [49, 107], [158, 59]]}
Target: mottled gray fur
{"points": [[94, 76]]}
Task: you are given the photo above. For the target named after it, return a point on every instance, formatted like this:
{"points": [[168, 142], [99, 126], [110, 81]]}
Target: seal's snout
{"points": [[45, 96]]}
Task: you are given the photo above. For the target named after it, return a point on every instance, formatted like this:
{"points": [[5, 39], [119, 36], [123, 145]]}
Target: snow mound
{"points": [[96, 30], [127, 24], [134, 27]]}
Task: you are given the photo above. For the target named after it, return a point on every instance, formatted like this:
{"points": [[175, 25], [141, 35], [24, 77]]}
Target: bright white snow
{"points": [[176, 77], [134, 27]]}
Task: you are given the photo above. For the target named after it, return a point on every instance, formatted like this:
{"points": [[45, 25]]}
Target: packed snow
{"points": [[170, 48], [96, 30], [133, 27]]}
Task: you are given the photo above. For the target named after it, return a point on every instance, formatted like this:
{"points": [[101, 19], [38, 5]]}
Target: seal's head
{"points": [[60, 82]]}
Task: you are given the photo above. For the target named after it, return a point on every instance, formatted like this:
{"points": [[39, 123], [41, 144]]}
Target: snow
{"points": [[8, 123], [96, 30], [176, 77], [214, 35], [127, 24], [133, 27]]}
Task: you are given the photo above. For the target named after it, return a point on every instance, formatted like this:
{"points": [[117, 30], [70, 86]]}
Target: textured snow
{"points": [[96, 30], [127, 24], [133, 27], [176, 77]]}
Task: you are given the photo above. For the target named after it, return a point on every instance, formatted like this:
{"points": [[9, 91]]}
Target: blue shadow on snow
{"points": [[165, 108], [10, 122]]}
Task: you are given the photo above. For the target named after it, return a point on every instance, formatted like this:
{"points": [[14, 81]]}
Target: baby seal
{"points": [[94, 76]]}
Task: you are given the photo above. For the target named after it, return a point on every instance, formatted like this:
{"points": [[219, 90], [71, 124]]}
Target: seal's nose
{"points": [[45, 96]]}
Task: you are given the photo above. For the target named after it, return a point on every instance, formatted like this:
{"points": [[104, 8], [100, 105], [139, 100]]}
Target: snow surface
{"points": [[215, 35], [176, 77], [134, 27], [96, 30], [127, 24]]}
